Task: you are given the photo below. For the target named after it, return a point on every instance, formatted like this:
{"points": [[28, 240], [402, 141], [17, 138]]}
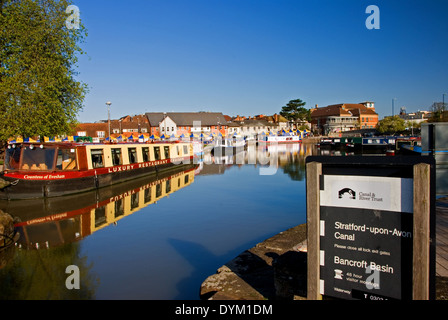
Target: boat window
{"points": [[185, 150], [178, 150], [147, 195], [119, 208], [157, 153], [167, 152], [168, 186], [38, 159], [186, 179], [66, 160], [97, 158], [145, 152], [12, 158], [134, 200], [100, 217], [116, 157], [132, 155], [158, 190]]}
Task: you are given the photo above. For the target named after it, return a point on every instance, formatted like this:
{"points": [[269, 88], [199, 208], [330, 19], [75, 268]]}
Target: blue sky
{"points": [[249, 57]]}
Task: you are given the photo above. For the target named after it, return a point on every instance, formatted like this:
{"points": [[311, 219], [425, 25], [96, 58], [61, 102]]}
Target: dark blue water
{"points": [[161, 250]]}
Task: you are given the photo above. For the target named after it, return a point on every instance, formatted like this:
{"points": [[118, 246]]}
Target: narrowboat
{"points": [[34, 170]]}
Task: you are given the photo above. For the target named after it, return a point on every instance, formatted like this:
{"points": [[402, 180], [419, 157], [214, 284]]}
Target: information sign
{"points": [[366, 228]]}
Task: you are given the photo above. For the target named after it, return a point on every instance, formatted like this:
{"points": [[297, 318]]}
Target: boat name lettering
{"points": [[45, 177]]}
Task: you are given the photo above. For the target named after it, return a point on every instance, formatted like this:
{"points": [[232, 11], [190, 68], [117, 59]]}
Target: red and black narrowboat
{"points": [[34, 170]]}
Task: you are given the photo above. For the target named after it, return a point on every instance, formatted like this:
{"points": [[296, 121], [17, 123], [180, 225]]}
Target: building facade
{"points": [[340, 118], [187, 123]]}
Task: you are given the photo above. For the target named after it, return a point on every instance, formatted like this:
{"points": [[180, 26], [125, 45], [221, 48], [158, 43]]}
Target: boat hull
{"points": [[279, 140], [48, 185]]}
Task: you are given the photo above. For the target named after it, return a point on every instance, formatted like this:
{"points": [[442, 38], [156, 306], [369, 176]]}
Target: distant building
{"points": [[418, 117], [178, 123], [99, 131], [344, 117], [259, 124]]}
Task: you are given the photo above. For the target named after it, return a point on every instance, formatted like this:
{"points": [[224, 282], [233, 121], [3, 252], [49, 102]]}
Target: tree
{"points": [[39, 94], [437, 109], [413, 126], [295, 111], [391, 125]]}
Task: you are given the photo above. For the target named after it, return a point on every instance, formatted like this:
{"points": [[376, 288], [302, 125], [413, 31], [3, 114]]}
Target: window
{"points": [[185, 150], [116, 157], [145, 152], [97, 158], [38, 159], [186, 179], [157, 153], [134, 200], [12, 158], [168, 186], [132, 155], [119, 208], [100, 134], [158, 190], [100, 217], [82, 134], [66, 159], [167, 152], [147, 195]]}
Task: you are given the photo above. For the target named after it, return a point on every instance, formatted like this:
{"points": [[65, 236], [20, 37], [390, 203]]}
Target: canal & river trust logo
{"points": [[347, 193]]}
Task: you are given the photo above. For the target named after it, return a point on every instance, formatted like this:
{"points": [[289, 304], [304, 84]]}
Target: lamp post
{"points": [[108, 103], [443, 103], [164, 121]]}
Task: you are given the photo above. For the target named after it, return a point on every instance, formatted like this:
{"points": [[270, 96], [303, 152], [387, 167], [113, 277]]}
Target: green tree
{"points": [[39, 92], [295, 111], [437, 109], [391, 125]]}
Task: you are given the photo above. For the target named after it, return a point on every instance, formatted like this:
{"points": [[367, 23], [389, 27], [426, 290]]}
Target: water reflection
{"points": [[268, 158], [52, 222], [185, 232]]}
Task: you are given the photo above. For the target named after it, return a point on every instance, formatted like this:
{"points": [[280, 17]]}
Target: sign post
{"points": [[370, 224]]}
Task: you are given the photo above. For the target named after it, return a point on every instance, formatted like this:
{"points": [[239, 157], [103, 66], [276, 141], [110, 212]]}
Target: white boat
{"points": [[228, 145], [279, 139]]}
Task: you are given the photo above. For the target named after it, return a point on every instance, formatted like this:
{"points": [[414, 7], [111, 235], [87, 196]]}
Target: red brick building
{"points": [[344, 117]]}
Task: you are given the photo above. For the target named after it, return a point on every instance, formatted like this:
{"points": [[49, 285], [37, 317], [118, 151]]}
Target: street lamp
{"points": [[164, 121], [108, 103], [443, 99]]}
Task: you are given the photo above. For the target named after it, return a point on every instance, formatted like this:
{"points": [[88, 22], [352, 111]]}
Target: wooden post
{"points": [[313, 173], [421, 253]]}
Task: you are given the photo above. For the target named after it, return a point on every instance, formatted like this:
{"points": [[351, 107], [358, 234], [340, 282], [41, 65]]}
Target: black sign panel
{"points": [[365, 253]]}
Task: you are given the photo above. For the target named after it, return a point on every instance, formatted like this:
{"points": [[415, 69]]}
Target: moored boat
{"points": [[223, 146], [280, 139], [34, 170]]}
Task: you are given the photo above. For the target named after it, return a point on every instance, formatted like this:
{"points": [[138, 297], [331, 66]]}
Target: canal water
{"points": [[156, 238]]}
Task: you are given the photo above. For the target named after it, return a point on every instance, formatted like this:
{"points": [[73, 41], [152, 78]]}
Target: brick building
{"points": [[344, 117]]}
